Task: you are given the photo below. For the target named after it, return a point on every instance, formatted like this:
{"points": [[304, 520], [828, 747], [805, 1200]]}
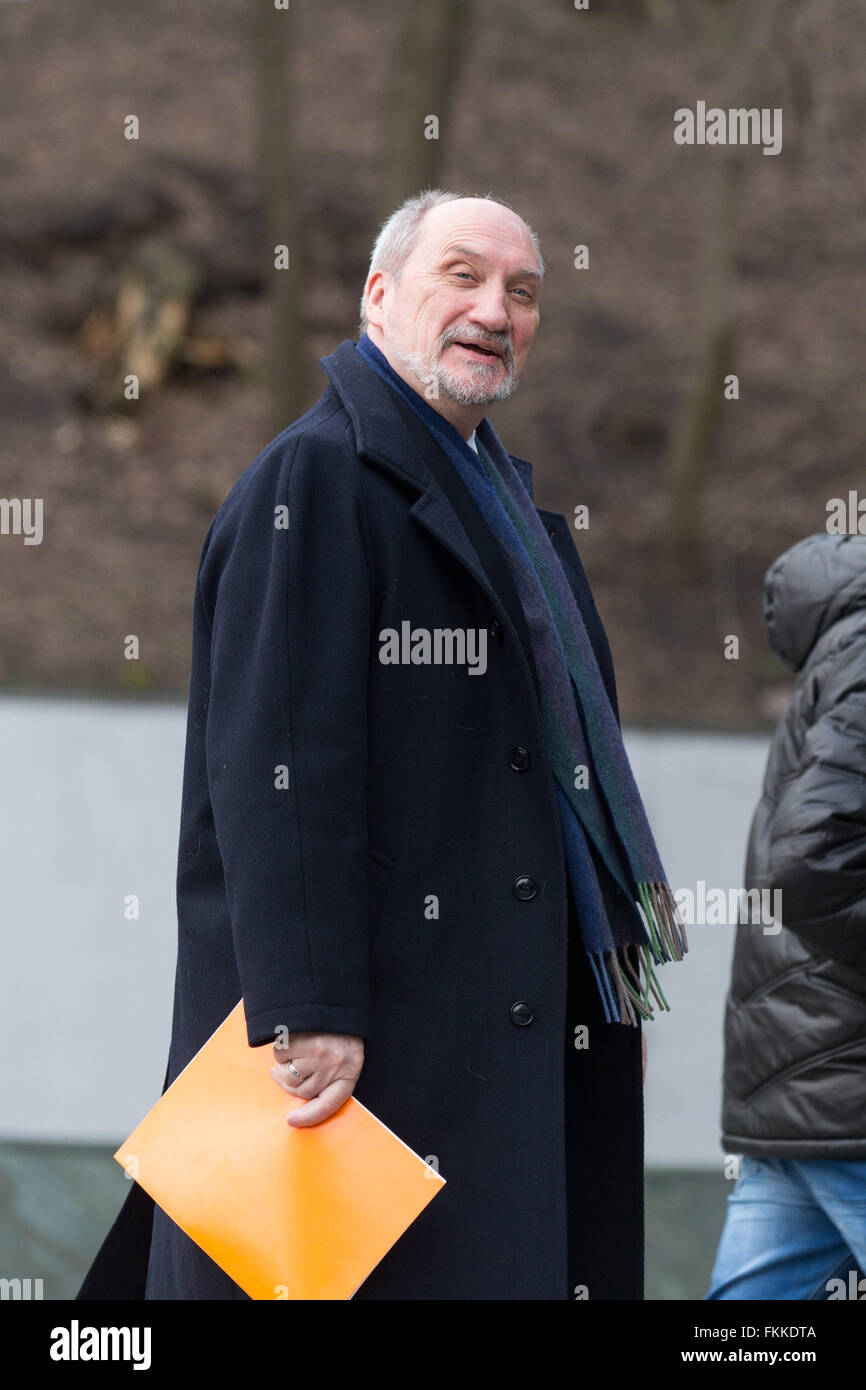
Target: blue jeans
{"points": [[792, 1225]]}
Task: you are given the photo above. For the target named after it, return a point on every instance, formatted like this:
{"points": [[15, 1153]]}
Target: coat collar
{"points": [[379, 431], [410, 452]]}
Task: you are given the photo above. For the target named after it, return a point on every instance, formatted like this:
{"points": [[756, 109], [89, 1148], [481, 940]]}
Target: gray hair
{"points": [[398, 236]]}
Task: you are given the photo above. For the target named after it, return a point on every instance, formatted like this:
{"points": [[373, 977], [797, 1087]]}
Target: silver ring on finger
{"points": [[293, 1069]]}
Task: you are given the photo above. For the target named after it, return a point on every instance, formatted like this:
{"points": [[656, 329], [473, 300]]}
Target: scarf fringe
{"points": [[667, 941]]}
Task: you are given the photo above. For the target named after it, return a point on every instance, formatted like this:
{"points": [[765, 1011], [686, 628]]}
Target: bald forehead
{"points": [[466, 221]]}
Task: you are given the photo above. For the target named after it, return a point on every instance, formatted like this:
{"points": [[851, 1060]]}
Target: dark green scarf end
{"points": [[631, 967]]}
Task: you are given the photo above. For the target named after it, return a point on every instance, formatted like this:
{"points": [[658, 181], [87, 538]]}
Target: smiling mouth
{"points": [[476, 350]]}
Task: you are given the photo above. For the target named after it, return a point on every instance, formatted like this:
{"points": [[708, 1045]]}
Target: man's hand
{"points": [[329, 1064]]}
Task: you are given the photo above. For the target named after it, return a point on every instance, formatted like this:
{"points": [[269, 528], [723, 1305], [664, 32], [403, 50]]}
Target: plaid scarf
{"points": [[600, 807]]}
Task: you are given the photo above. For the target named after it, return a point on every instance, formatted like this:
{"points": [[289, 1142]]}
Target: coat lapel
{"points": [[389, 434], [371, 408], [383, 437]]}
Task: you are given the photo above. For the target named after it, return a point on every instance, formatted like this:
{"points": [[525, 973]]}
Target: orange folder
{"points": [[287, 1213]]}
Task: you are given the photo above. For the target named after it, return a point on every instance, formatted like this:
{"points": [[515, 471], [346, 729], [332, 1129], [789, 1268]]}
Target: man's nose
{"points": [[490, 309]]}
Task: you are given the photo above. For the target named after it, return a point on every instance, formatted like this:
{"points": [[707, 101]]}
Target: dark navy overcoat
{"points": [[403, 878]]}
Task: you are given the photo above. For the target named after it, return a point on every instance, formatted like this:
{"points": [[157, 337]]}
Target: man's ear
{"points": [[374, 296]]}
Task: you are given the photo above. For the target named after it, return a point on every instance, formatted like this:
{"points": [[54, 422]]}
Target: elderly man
{"points": [[410, 838]]}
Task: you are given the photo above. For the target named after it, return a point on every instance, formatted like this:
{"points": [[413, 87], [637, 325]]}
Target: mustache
{"points": [[471, 335]]}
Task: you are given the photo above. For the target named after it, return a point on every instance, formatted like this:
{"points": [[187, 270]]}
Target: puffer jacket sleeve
{"points": [[286, 740], [817, 841]]}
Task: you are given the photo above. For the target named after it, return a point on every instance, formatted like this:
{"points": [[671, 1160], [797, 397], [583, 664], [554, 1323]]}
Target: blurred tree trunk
{"points": [[767, 49], [431, 43], [696, 430], [699, 424], [286, 357]]}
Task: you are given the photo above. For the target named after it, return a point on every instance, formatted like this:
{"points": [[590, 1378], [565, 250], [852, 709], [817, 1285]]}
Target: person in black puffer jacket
{"points": [[794, 1103]]}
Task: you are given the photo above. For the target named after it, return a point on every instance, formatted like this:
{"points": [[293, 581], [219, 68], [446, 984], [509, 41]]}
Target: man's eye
{"points": [[467, 273]]}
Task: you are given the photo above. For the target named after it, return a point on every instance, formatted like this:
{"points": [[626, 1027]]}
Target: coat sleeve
{"points": [[286, 739], [817, 848]]}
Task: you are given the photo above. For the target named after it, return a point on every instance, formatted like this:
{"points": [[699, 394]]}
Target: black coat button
{"points": [[525, 888], [521, 1014], [495, 628], [519, 759]]}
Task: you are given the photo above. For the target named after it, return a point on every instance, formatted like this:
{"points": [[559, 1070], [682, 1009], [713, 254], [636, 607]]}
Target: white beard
{"points": [[482, 391]]}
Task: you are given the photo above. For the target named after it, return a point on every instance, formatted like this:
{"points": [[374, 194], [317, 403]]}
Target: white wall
{"points": [[700, 791], [89, 813]]}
